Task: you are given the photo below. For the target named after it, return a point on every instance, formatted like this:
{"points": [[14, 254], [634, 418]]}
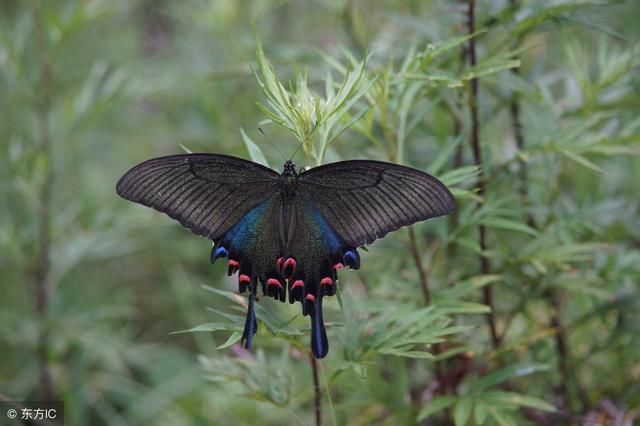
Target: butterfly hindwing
{"points": [[310, 263], [365, 200], [252, 248], [304, 266]]}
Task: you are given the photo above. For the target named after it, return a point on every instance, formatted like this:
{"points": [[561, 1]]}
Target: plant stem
{"points": [[316, 386], [456, 109], [43, 261], [457, 130], [474, 140], [456, 116], [516, 124], [327, 384], [561, 347], [424, 283]]}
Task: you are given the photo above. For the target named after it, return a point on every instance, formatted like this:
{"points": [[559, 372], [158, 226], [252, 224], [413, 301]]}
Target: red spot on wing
{"points": [[289, 267], [290, 263], [326, 281], [311, 297], [274, 281], [279, 262], [297, 283], [244, 278], [338, 266], [234, 263]]}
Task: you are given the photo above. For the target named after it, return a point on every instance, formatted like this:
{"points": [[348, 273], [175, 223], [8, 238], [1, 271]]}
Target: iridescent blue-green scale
{"points": [[332, 242], [244, 232]]}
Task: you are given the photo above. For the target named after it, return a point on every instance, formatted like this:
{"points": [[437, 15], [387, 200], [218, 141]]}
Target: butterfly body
{"points": [[288, 232]]}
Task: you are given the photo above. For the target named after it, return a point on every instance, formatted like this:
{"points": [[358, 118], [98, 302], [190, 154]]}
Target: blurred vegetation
{"points": [[535, 322]]}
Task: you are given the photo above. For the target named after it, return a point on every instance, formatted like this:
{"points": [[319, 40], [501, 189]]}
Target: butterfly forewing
{"points": [[206, 193], [365, 200]]}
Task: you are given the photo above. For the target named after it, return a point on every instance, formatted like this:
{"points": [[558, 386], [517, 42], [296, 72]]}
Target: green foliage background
{"points": [[92, 285]]}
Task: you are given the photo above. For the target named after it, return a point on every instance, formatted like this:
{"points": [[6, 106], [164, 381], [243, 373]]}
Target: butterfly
{"points": [[288, 232]]}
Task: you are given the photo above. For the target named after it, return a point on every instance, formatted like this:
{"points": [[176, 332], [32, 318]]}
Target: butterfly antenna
{"points": [[296, 150], [271, 143], [315, 126]]}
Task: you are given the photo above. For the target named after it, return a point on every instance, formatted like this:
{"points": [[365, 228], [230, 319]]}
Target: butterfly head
{"points": [[289, 169]]}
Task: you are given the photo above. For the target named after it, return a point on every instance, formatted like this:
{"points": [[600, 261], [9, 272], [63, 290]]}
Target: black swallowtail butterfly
{"points": [[289, 232]]}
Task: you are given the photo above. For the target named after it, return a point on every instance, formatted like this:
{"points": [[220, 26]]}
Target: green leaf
{"points": [[436, 405], [185, 149], [457, 350], [458, 307], [255, 153], [462, 411], [480, 411], [517, 399], [438, 48], [434, 77], [489, 67], [445, 155], [232, 318], [235, 337], [501, 418], [211, 326], [536, 12], [509, 225], [461, 194], [465, 287], [406, 353], [348, 124], [459, 175], [503, 374], [581, 160], [478, 281], [229, 295]]}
